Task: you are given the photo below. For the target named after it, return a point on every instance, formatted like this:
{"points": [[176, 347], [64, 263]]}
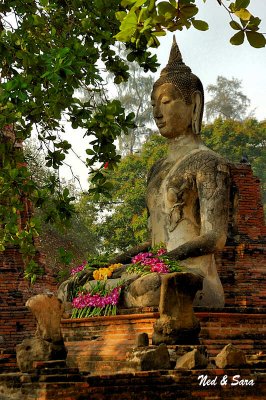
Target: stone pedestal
{"points": [[177, 323]]}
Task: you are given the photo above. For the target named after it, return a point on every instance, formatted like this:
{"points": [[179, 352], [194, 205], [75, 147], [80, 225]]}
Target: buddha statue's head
{"points": [[177, 98]]}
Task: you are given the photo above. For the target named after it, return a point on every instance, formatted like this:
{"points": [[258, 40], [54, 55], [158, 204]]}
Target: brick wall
{"points": [[242, 263], [146, 385], [100, 344], [16, 322]]}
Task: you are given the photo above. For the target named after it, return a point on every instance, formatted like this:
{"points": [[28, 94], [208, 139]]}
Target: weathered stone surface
{"points": [[142, 340], [74, 281], [10, 386], [110, 283], [177, 351], [48, 342], [192, 360], [67, 309], [48, 311], [188, 190], [143, 292], [37, 349], [149, 358], [177, 323], [230, 356]]}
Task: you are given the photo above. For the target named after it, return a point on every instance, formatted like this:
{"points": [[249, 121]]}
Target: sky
{"points": [[208, 54]]}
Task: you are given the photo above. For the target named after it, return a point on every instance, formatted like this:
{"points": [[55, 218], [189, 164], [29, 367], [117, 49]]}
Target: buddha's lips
{"points": [[161, 124]]}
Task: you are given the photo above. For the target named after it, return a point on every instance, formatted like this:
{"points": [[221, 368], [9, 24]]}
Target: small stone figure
{"points": [[47, 344]]}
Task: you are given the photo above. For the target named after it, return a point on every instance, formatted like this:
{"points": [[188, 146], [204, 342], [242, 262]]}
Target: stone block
{"points": [[143, 292], [177, 323], [37, 349], [149, 358], [230, 356], [194, 359], [142, 340]]}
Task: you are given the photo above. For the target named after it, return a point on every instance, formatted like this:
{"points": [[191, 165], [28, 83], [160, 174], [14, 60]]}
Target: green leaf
{"points": [[166, 9], [90, 152], [256, 39], [235, 25], [139, 3], [241, 4], [159, 33], [120, 15], [128, 27], [200, 25], [125, 3], [253, 24], [243, 14], [238, 38], [189, 11]]}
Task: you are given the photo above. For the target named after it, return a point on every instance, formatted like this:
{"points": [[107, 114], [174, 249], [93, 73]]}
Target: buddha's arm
{"points": [[125, 257], [213, 188]]}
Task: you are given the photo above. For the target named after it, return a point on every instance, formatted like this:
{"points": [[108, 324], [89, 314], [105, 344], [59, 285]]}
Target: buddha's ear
{"points": [[197, 102]]}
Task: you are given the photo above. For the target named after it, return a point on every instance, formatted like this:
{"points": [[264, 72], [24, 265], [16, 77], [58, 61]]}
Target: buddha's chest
{"points": [[172, 196]]}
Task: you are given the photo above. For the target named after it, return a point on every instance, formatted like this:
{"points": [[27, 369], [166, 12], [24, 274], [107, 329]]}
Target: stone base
{"points": [[168, 333], [148, 385], [37, 349], [100, 345]]}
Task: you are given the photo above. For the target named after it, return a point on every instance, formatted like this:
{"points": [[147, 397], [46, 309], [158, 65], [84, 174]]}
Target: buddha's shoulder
{"points": [[206, 159], [157, 167], [202, 159]]}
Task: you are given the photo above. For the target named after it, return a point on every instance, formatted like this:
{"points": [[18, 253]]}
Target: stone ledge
{"points": [[149, 385]]}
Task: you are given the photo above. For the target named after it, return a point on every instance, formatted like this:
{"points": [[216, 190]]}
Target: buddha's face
{"points": [[172, 115]]}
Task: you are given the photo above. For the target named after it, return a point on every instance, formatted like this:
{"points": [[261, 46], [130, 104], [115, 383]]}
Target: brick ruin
{"points": [[242, 263], [242, 268], [17, 322]]}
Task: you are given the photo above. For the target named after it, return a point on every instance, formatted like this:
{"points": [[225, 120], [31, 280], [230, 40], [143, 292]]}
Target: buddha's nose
{"points": [[157, 112]]}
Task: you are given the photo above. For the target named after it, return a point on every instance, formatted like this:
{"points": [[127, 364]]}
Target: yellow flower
{"points": [[105, 273]]}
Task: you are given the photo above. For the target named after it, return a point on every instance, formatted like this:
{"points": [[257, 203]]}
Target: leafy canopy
{"points": [[51, 48], [120, 220], [143, 21]]}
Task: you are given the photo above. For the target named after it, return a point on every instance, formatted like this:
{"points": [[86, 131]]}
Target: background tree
{"points": [[120, 220], [228, 101], [51, 48], [134, 94], [233, 139], [64, 244]]}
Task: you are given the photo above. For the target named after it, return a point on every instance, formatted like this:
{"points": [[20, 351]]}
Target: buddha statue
{"points": [[187, 197], [188, 191]]}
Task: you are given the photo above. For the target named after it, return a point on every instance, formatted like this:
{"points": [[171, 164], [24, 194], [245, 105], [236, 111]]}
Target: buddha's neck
{"points": [[182, 145]]}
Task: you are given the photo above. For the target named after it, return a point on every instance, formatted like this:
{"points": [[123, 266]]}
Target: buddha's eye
{"points": [[166, 100]]}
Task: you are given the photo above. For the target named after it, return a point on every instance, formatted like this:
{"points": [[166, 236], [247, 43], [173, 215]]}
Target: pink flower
{"points": [[161, 268], [161, 251], [141, 257], [149, 260], [78, 268], [96, 300]]}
